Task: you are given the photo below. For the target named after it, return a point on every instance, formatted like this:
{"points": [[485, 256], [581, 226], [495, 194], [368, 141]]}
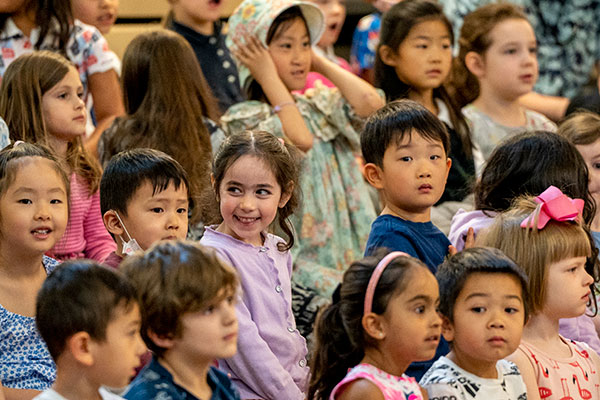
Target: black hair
{"points": [[453, 273], [80, 296], [394, 121], [128, 170], [396, 24], [340, 337]]}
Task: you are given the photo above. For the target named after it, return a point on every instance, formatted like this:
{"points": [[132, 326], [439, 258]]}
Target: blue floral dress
{"points": [[333, 222]]}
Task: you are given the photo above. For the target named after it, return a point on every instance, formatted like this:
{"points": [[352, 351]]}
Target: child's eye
{"points": [[182, 210], [434, 157], [533, 50], [421, 46], [420, 309], [511, 310], [62, 95], [56, 201], [80, 94], [233, 189], [231, 300], [478, 310], [285, 46], [209, 310], [510, 51], [574, 269], [156, 210], [25, 201], [406, 159], [263, 192], [596, 165]]}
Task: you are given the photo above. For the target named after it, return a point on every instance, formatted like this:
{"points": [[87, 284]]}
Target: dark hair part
{"points": [[80, 296], [340, 337], [130, 169], [283, 159], [396, 120], [11, 155], [47, 13], [281, 23], [173, 278], [453, 273], [395, 27], [475, 36]]}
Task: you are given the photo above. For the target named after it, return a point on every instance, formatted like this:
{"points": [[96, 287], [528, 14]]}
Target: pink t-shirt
{"points": [[392, 387]]}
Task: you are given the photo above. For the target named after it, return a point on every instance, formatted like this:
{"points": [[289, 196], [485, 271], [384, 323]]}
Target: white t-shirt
{"points": [[52, 395], [446, 380]]}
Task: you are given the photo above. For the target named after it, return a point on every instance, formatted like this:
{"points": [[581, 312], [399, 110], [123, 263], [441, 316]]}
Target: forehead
{"points": [[38, 171], [433, 28], [421, 282], [249, 169], [491, 284], [589, 151], [146, 191], [414, 139], [294, 28], [512, 30]]}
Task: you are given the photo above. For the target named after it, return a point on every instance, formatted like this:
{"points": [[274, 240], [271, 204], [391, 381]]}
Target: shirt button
{"points": [[262, 250], [278, 289], [231, 79], [220, 52], [212, 40], [226, 64], [290, 329], [302, 363]]}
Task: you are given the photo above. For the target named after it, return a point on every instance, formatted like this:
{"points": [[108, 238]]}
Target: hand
{"points": [[256, 57], [316, 62], [469, 242]]}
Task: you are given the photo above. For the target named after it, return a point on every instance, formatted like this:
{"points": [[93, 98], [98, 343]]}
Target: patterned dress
{"points": [[392, 387], [333, 222]]}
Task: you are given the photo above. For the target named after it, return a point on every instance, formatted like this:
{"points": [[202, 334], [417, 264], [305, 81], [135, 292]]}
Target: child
{"points": [[34, 194], [383, 318], [405, 149], [144, 198], [255, 182], [272, 41], [28, 25], [366, 39], [583, 130], [100, 13], [483, 301], [168, 109], [199, 22], [413, 61], [334, 12], [544, 236], [41, 100], [496, 65], [90, 318], [188, 320]]}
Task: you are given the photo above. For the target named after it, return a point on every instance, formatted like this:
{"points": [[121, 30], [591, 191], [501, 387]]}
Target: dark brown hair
{"points": [[166, 100], [25, 82], [475, 36], [284, 161], [173, 278]]}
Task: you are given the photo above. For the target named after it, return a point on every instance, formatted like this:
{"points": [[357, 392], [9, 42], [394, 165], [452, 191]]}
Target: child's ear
{"points": [[374, 175], [388, 55], [164, 341], [112, 223], [448, 165], [215, 189], [286, 195], [475, 64], [373, 326], [80, 345], [447, 329]]}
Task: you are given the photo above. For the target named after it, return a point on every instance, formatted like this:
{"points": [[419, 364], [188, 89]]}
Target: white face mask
{"points": [[131, 246]]}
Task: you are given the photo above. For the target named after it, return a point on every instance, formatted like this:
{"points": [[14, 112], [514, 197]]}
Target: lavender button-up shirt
{"points": [[271, 359]]}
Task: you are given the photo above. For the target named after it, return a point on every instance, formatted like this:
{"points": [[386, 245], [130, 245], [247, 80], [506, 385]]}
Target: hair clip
{"points": [[17, 143], [375, 278], [553, 205]]}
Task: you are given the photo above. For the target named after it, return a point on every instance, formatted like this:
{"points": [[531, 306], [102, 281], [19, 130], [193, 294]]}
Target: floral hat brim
{"points": [[254, 17]]}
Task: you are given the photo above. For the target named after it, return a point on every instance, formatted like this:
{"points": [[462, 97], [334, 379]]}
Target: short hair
{"points": [[453, 273], [174, 278], [80, 296], [581, 128], [128, 170], [393, 122], [535, 249]]}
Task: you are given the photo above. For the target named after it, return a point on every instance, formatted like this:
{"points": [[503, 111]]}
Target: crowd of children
{"points": [[248, 216]]}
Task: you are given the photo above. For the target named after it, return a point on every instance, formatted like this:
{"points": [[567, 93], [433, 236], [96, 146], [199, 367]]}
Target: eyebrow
{"points": [[24, 189], [260, 185], [430, 37], [510, 296], [420, 297], [431, 145], [288, 37]]}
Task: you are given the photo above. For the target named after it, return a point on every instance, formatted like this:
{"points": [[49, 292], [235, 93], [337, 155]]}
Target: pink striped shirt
{"points": [[85, 236]]}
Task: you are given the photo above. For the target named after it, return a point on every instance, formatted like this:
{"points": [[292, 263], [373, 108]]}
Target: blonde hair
{"points": [[24, 84], [581, 128], [535, 249]]}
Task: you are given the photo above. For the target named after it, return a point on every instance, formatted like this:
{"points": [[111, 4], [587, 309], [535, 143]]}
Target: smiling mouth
{"points": [[247, 220]]}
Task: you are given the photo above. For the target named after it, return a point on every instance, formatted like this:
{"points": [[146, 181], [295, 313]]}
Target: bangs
{"points": [[565, 241]]}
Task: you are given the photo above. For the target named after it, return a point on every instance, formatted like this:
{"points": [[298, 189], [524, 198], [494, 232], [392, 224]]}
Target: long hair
{"points": [[283, 159], [166, 100], [25, 82], [475, 36], [395, 27], [47, 14]]}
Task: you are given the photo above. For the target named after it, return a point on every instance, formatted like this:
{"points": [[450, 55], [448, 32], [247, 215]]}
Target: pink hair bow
{"points": [[554, 205]]}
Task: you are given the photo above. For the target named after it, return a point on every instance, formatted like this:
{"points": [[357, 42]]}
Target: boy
{"points": [[144, 198], [188, 321], [405, 149], [89, 317], [483, 302]]}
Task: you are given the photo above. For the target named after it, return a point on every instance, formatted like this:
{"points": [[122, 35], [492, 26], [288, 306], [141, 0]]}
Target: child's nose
{"points": [[496, 320], [42, 212], [247, 203], [588, 280]]}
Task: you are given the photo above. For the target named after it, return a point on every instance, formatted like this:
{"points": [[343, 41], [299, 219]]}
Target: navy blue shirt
{"points": [[155, 382], [422, 240], [216, 62]]}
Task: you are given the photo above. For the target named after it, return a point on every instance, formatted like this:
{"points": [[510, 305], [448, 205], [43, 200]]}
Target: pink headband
{"points": [[375, 278], [554, 205]]}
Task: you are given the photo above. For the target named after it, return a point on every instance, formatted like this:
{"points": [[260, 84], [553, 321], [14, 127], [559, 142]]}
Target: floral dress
{"points": [[333, 222]]}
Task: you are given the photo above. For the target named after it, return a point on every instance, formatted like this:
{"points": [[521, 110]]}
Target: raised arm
{"points": [[363, 97], [257, 59]]}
